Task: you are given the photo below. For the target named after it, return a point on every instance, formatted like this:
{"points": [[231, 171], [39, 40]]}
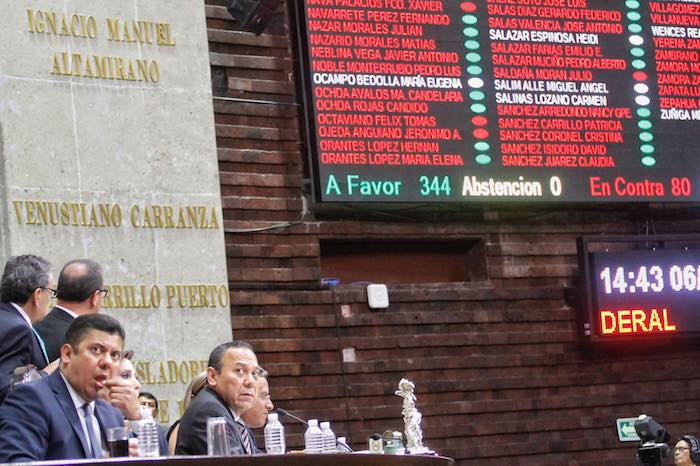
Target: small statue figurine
{"points": [[411, 418]]}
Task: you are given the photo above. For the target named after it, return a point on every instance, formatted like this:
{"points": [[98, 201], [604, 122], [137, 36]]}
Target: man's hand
{"points": [[134, 447], [122, 395]]}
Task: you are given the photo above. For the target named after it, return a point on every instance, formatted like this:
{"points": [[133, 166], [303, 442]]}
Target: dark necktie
{"points": [[245, 438], [42, 345], [95, 444]]}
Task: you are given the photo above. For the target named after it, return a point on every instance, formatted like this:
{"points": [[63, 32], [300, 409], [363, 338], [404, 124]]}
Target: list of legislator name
{"points": [[503, 100]]}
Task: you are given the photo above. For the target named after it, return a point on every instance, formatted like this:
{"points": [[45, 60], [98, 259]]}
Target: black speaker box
{"points": [[252, 15]]}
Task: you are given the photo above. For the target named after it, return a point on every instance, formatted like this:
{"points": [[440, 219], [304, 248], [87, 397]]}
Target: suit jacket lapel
{"points": [[229, 414], [235, 427], [36, 348], [66, 404]]}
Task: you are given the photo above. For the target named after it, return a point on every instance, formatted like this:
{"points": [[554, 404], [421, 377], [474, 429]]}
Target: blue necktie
{"points": [[95, 444], [42, 345]]}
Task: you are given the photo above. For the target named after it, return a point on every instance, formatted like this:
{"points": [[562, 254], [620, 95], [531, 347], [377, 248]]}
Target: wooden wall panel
{"points": [[499, 373]]}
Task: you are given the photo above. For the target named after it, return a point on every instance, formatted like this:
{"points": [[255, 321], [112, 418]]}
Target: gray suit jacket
{"points": [[192, 436]]}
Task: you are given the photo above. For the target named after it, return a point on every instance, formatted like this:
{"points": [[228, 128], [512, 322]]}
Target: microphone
{"points": [[344, 444], [284, 412]]}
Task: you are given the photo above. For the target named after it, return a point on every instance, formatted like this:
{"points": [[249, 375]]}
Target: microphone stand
{"points": [[344, 445], [284, 412]]}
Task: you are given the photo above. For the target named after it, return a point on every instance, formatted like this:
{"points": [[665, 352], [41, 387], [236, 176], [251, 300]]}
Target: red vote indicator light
{"points": [[479, 120], [639, 76], [480, 133], [468, 7], [635, 321]]}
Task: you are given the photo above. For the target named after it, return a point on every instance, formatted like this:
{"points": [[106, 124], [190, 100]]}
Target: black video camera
{"points": [[653, 446]]}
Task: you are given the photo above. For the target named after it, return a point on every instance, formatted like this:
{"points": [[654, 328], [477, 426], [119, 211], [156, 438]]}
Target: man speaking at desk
{"points": [[231, 377], [59, 417]]}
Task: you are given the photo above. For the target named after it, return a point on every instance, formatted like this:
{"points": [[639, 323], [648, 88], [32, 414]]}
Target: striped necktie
{"points": [[95, 443], [245, 438], [42, 345]]}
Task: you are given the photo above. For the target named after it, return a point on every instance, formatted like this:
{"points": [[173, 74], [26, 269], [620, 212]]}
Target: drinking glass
{"points": [[217, 437], [117, 442]]}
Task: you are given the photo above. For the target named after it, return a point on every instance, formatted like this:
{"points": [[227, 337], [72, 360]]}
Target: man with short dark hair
{"points": [[60, 416], [257, 415], [25, 295], [231, 377], [80, 292], [150, 402]]}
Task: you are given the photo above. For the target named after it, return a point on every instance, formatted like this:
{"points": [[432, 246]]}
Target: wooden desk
{"points": [[267, 460]]}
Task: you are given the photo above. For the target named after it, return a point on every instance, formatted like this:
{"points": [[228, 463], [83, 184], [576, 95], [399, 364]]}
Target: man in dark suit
{"points": [[231, 376], [59, 417], [80, 292], [25, 295], [257, 415]]}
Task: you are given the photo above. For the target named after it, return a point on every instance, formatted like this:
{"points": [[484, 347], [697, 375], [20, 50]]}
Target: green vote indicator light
{"points": [[644, 124], [473, 57], [643, 112], [634, 27], [646, 137], [648, 161], [637, 52], [482, 146], [483, 159], [647, 149], [639, 64], [634, 16], [478, 108], [477, 95], [474, 70], [472, 45], [469, 19], [632, 4], [470, 32]]}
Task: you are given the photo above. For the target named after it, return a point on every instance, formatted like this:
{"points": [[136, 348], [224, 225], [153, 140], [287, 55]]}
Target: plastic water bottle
{"points": [[313, 438], [274, 435], [146, 431], [328, 438]]}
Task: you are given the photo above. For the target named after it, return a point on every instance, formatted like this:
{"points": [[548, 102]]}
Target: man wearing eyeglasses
{"points": [[80, 292], [231, 379], [60, 416], [257, 415], [25, 295]]}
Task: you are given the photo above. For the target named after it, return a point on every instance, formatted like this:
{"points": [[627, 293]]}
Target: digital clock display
{"points": [[644, 292]]}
